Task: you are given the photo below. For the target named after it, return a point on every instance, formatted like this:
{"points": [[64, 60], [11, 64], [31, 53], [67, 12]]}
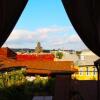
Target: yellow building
{"points": [[86, 68], [86, 73], [84, 62]]}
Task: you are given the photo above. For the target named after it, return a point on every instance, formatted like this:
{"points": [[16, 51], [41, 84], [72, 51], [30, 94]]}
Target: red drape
{"points": [[10, 11]]}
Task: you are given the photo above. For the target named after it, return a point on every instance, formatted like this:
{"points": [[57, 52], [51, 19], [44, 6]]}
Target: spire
{"points": [[38, 48]]}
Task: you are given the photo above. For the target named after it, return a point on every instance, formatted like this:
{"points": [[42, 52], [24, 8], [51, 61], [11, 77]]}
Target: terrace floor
{"points": [[42, 98]]}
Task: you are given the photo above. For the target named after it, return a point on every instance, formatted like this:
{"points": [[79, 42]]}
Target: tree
{"points": [[59, 55], [78, 53]]}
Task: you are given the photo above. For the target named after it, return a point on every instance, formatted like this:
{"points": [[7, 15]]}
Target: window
{"points": [[95, 71], [87, 70], [81, 71], [81, 57]]}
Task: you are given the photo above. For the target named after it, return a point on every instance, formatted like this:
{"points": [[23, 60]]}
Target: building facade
{"points": [[86, 68], [84, 62]]}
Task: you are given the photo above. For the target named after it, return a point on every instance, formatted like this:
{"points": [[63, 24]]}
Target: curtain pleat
{"points": [[85, 18], [10, 11]]}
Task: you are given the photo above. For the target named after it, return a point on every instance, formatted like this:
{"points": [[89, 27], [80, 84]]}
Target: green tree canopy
{"points": [[59, 55]]}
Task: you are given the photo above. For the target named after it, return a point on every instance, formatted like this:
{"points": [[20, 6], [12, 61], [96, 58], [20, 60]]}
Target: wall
{"points": [[7, 53], [86, 89]]}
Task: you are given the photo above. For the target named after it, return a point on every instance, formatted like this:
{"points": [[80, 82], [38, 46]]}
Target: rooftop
{"points": [[39, 67]]}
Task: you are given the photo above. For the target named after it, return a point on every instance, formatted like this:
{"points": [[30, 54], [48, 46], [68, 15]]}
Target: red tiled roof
{"points": [[40, 67], [36, 57]]}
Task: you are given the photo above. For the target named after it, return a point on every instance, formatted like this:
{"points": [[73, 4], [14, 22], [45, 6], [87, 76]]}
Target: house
{"points": [[86, 68], [84, 62], [7, 53], [68, 55], [43, 65]]}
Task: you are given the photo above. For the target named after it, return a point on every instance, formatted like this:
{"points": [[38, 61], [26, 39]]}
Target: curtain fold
{"points": [[10, 11], [85, 18]]}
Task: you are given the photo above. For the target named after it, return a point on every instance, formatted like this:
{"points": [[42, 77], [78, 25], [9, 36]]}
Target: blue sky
{"points": [[45, 21]]}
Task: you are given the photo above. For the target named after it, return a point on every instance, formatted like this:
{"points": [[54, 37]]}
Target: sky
{"points": [[44, 21]]}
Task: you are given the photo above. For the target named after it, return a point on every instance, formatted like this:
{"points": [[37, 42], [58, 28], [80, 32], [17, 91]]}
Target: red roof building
{"points": [[35, 64], [36, 57], [7, 53]]}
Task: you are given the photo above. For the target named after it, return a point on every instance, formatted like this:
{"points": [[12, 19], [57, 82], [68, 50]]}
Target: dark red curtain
{"points": [[10, 11], [85, 17]]}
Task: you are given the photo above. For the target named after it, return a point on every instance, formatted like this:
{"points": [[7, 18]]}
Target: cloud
{"points": [[50, 37], [74, 38], [71, 41], [20, 35], [40, 33], [52, 29]]}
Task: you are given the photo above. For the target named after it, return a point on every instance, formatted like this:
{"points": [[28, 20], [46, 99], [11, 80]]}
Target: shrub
{"points": [[59, 55]]}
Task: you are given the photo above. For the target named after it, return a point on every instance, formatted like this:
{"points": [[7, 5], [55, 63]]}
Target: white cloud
{"points": [[71, 41], [51, 37], [20, 35], [74, 38], [52, 29], [40, 33]]}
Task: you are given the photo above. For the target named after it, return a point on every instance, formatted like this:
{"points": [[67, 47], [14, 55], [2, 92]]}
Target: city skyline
{"points": [[47, 22]]}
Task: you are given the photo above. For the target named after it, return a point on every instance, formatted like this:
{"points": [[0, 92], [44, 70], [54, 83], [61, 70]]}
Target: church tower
{"points": [[38, 48]]}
